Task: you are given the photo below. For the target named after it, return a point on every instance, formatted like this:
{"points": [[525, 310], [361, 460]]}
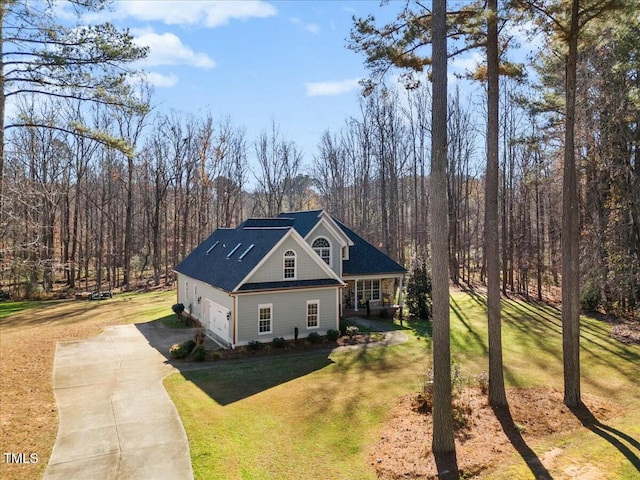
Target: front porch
{"points": [[372, 295]]}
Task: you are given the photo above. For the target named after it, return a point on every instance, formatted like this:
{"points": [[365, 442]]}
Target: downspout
{"points": [[233, 317]]}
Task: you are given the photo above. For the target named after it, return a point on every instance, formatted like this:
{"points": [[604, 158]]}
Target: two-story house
{"points": [[270, 276]]}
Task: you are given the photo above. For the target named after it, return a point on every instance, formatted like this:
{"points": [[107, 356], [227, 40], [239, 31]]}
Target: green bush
{"points": [[189, 345], [314, 337], [590, 296], [255, 345], [279, 342], [178, 308], [333, 334], [178, 351], [198, 354]]}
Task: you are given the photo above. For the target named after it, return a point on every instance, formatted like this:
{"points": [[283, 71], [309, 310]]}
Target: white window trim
{"points": [[270, 307], [295, 265], [317, 303], [329, 247], [362, 289]]}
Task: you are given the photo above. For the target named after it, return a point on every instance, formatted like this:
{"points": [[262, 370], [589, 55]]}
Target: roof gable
{"points": [[228, 255], [301, 246]]}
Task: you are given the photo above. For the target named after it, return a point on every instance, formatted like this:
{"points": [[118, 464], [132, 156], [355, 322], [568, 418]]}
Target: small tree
{"points": [[419, 288]]}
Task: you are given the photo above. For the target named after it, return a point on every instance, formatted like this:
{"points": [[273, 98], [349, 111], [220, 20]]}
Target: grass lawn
{"points": [[29, 332], [319, 415]]}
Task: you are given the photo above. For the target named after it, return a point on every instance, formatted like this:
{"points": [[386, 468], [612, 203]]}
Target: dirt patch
{"points": [[626, 331], [404, 449]]}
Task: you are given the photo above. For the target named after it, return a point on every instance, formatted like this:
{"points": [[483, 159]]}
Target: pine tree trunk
{"points": [[570, 230], [497, 395], [442, 416]]}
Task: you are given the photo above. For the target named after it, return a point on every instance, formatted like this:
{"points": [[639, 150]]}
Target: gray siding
{"points": [[289, 310], [336, 250], [187, 296], [273, 269]]}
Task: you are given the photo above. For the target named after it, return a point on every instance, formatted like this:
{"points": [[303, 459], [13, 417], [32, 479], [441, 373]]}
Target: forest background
{"points": [[107, 193]]}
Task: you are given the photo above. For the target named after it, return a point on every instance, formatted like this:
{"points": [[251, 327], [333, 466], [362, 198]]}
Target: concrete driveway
{"points": [[116, 420]]}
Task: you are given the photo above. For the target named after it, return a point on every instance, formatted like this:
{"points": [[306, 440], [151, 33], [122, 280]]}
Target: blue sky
{"points": [[254, 61], [257, 61]]}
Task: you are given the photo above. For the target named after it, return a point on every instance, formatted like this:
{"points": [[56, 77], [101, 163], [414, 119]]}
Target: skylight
{"points": [[234, 250], [245, 252], [212, 247]]}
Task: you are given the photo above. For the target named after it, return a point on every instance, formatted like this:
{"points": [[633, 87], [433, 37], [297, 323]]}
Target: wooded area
{"points": [[78, 207]]}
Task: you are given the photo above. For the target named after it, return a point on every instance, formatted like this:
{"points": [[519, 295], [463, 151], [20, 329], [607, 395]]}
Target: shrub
{"points": [[255, 345], [279, 342], [352, 331], [482, 380], [198, 354], [178, 308], [333, 334], [314, 337], [189, 345], [178, 351], [590, 296]]}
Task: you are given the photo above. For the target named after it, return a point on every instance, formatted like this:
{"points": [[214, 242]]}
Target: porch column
{"points": [[355, 299]]}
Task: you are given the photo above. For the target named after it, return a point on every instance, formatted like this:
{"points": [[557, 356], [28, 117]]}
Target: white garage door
{"points": [[217, 321]]}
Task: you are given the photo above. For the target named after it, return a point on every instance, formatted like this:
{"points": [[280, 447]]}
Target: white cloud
{"points": [[329, 89], [159, 80], [309, 27], [174, 12], [467, 63], [168, 49]]}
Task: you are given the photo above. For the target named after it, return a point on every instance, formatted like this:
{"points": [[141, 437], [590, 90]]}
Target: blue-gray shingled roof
{"points": [[219, 269], [365, 259], [217, 261], [303, 222]]}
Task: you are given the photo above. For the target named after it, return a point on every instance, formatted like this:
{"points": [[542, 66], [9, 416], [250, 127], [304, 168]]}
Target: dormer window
{"points": [[323, 248], [289, 265]]}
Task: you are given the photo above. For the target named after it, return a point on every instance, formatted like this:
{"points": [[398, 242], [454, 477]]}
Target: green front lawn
{"points": [[317, 416]]}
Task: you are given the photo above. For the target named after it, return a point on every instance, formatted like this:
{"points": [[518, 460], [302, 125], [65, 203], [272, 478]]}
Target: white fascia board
{"points": [[333, 227], [315, 257], [304, 245], [262, 262]]}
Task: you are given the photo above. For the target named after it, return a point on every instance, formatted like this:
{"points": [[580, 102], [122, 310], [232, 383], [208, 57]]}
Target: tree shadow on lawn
{"points": [[234, 380], [227, 381], [613, 436]]}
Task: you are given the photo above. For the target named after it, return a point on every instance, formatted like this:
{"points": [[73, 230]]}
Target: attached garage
{"points": [[216, 320]]}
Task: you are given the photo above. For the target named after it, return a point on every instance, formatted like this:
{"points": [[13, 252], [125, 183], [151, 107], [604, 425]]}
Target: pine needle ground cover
{"points": [[326, 415]]}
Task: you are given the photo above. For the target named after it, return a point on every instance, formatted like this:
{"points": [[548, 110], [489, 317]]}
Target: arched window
{"points": [[323, 248], [289, 264]]}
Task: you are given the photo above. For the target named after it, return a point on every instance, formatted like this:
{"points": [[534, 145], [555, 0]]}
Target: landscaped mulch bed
{"points": [[404, 449]]}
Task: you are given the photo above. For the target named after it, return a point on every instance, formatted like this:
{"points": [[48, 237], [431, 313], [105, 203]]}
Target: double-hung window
{"points": [[265, 318], [289, 265], [313, 313]]}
